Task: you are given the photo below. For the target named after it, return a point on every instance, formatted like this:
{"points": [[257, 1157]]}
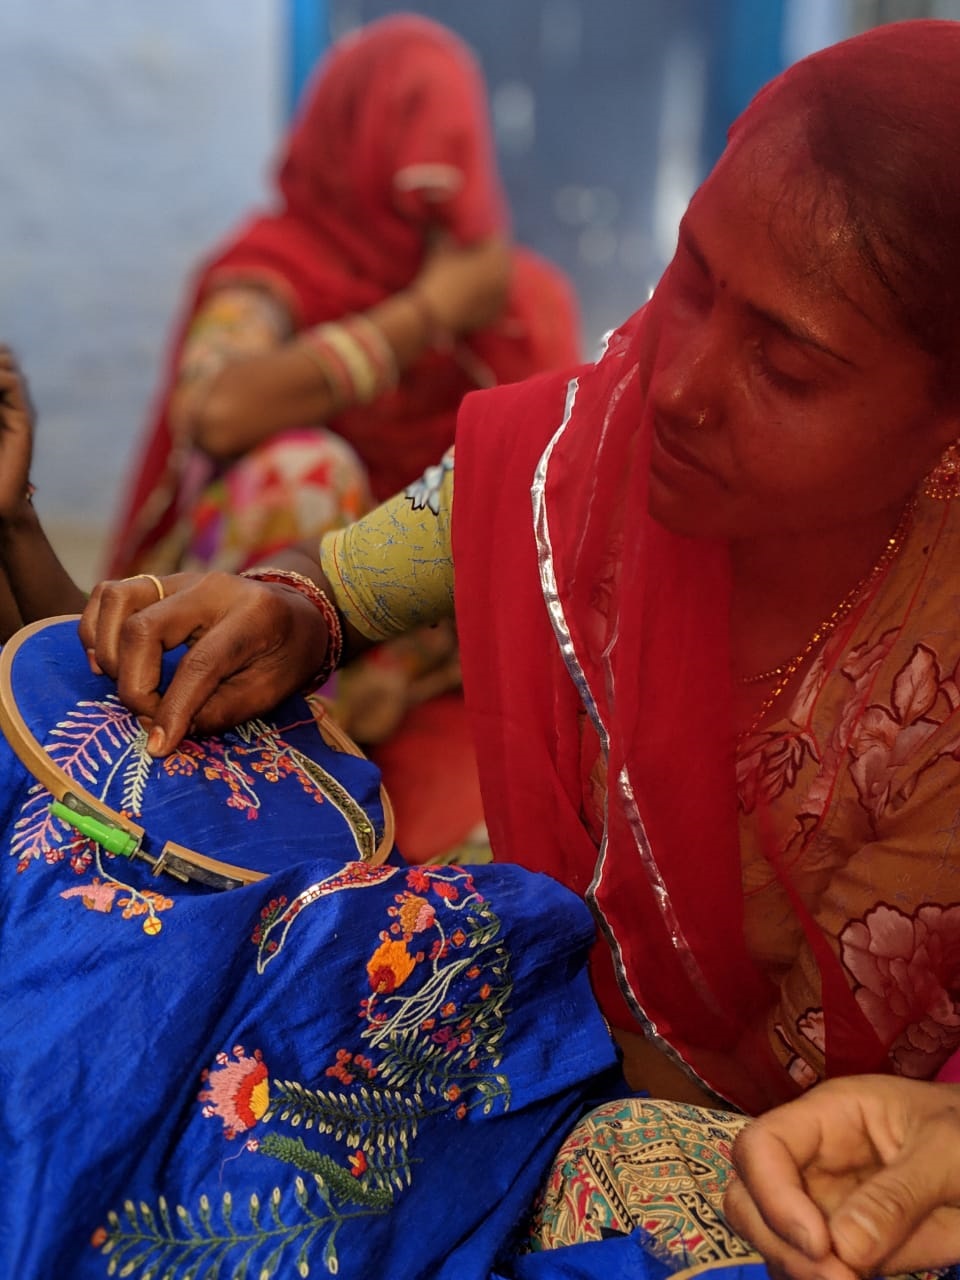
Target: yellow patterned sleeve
{"points": [[393, 570]]}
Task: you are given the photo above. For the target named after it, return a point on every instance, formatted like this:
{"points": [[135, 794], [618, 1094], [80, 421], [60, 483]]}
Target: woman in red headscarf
{"points": [[706, 599], [378, 295], [325, 351], [707, 591]]}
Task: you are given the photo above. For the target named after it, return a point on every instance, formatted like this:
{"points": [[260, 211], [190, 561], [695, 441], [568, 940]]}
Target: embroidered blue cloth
{"points": [[342, 1069]]}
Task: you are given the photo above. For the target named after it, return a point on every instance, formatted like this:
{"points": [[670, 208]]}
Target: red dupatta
{"points": [[584, 611], [392, 141]]}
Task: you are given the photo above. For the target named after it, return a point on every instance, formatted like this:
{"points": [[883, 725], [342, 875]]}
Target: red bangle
{"points": [[318, 597]]}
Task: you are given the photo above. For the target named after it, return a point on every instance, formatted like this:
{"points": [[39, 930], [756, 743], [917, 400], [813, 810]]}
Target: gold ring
{"points": [[151, 577]]}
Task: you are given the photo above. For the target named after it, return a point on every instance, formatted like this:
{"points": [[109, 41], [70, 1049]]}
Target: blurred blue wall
{"points": [[136, 133]]}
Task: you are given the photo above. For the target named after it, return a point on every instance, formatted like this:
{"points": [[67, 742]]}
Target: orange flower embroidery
{"points": [[390, 966], [416, 914]]}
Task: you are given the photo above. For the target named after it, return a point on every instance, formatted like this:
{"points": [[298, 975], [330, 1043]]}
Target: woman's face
{"points": [[784, 397]]}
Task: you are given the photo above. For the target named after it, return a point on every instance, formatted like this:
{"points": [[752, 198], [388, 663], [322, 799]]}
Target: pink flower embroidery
{"points": [[96, 896], [238, 1091], [908, 971], [416, 914]]}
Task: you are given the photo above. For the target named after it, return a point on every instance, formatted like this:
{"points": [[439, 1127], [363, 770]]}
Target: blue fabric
{"points": [[630, 1257], [340, 1069], [623, 1257], [244, 795]]}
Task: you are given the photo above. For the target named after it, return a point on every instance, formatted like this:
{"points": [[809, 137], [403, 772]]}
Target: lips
{"points": [[676, 453]]}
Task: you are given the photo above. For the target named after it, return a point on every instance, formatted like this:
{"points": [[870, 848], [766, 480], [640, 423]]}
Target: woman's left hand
{"points": [[251, 644], [16, 435]]}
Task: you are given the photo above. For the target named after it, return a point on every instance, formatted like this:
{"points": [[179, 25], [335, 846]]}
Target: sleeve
{"points": [[233, 321], [393, 570]]}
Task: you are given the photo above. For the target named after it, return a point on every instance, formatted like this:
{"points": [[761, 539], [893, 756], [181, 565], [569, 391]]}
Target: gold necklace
{"points": [[785, 671]]}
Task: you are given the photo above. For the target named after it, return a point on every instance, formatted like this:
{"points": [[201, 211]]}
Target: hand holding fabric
{"points": [[251, 644], [861, 1176]]}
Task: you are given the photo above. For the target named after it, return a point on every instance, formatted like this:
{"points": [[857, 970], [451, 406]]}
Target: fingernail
{"points": [[95, 666], [855, 1237], [156, 741], [800, 1238]]}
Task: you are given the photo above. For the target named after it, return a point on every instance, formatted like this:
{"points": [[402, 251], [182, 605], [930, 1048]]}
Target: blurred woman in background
{"points": [[323, 354]]}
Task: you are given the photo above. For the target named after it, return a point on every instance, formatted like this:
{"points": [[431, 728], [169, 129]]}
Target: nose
{"points": [[687, 382]]}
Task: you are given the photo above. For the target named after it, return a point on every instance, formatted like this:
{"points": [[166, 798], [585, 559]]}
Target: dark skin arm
{"points": [[33, 582], [254, 396]]}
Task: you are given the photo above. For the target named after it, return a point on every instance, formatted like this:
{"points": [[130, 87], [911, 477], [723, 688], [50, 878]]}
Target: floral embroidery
{"points": [[907, 968], [100, 896], [277, 916], [424, 494], [100, 742], [390, 966], [238, 1092], [429, 1044]]}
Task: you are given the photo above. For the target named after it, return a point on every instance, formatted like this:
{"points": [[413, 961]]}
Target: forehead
{"points": [[770, 222]]}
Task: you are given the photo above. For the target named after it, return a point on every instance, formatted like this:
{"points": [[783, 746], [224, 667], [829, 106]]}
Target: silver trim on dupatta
{"points": [[558, 620]]}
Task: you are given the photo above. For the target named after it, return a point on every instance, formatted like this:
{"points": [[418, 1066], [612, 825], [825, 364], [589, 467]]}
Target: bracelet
{"points": [[378, 349], [317, 596], [334, 373]]}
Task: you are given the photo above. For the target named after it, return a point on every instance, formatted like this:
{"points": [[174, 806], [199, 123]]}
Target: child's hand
{"points": [[16, 435]]}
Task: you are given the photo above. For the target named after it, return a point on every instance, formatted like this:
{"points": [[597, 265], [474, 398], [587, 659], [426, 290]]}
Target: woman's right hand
{"points": [[464, 288], [250, 644]]}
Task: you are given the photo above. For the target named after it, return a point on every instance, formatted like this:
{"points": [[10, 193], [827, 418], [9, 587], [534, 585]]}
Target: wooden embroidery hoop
{"points": [[175, 859]]}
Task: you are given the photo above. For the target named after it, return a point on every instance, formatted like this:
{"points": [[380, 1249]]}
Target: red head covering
{"points": [[392, 142], [584, 618]]}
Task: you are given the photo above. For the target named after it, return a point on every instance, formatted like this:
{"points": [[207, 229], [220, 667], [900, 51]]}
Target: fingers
{"points": [[251, 644], [769, 1156], [783, 1258], [111, 603], [126, 629], [889, 1221]]}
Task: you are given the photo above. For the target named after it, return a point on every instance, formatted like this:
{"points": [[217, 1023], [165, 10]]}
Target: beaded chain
{"points": [[784, 672]]}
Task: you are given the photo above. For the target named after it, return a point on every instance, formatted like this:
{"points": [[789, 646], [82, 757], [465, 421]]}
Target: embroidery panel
{"points": [[102, 747], [429, 1043]]}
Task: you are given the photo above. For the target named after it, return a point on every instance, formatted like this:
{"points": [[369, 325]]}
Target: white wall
{"points": [[134, 133]]}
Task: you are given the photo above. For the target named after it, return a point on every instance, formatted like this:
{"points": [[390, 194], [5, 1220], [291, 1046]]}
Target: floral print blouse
{"points": [[858, 780]]}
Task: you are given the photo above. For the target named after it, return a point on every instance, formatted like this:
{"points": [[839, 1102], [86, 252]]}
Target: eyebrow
{"points": [[789, 329]]}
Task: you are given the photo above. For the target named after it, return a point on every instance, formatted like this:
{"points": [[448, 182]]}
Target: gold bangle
{"points": [[385, 354], [360, 368]]}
